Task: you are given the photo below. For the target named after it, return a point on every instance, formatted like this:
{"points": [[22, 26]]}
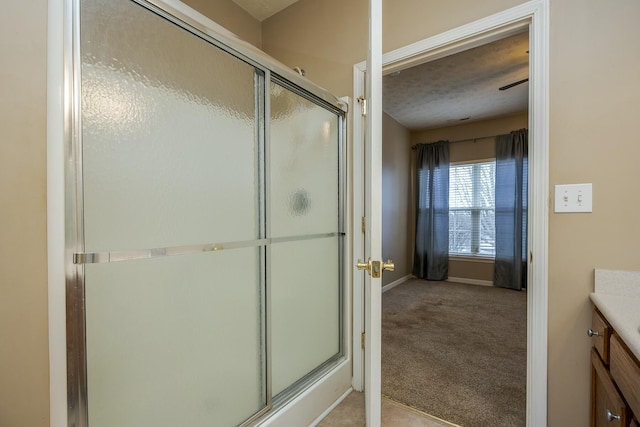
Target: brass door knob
{"points": [[364, 265], [375, 268]]}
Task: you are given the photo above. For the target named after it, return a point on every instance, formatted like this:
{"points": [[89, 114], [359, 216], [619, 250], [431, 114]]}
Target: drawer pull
{"points": [[593, 333], [611, 416]]}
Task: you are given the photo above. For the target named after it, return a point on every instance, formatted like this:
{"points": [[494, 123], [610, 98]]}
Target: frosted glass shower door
{"points": [[205, 205], [304, 225], [171, 159]]}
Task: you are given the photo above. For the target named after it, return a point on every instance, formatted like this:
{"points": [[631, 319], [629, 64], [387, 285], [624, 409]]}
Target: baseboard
{"points": [[470, 281], [395, 283]]}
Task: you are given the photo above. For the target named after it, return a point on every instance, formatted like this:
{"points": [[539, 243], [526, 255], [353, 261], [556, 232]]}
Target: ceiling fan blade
{"points": [[509, 86]]}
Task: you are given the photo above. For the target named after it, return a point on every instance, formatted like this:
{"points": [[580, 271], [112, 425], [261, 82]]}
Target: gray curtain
{"points": [[511, 210], [431, 258]]}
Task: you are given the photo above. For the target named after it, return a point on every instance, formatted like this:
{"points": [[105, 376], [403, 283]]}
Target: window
{"points": [[472, 209]]}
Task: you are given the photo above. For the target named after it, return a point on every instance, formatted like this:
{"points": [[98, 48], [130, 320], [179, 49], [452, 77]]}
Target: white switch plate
{"points": [[573, 198]]}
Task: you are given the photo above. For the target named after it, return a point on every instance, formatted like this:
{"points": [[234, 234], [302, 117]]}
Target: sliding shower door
{"points": [[304, 224], [206, 286], [170, 154]]}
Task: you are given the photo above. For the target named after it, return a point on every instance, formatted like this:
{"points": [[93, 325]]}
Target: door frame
{"points": [[533, 15]]}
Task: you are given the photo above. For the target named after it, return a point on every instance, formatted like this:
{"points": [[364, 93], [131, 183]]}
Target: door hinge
{"points": [[363, 102], [530, 257], [364, 224], [363, 339]]}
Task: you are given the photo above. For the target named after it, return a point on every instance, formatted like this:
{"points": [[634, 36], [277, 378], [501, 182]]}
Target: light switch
{"points": [[573, 198]]}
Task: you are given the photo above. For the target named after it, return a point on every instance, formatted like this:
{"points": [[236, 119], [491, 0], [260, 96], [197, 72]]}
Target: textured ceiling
{"points": [[262, 9], [444, 91]]}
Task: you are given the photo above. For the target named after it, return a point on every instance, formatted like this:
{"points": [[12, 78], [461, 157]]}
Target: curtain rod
{"points": [[462, 140]]}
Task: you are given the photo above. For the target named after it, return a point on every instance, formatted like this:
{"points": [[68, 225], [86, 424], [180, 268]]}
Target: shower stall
{"points": [[205, 223]]}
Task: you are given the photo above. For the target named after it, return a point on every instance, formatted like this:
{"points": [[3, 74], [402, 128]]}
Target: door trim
{"points": [[57, 39], [534, 15], [357, 244]]}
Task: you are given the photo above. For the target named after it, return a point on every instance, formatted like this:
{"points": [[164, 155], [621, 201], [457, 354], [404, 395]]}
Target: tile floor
{"points": [[350, 413]]}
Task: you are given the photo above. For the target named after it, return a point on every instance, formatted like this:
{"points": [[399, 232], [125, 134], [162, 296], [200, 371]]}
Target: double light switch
{"points": [[573, 198]]}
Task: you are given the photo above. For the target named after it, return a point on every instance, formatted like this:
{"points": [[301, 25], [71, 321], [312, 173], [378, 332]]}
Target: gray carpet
{"points": [[456, 351]]}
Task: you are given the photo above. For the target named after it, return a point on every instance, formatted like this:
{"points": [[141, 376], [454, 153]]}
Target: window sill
{"points": [[473, 258]]}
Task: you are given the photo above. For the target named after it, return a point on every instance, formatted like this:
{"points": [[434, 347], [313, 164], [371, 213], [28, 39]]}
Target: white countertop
{"points": [[617, 296], [623, 313]]}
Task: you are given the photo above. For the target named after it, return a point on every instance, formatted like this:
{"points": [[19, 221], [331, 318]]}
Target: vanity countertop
{"points": [[617, 296]]}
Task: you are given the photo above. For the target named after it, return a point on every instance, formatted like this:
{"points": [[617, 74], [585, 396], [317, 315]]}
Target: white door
{"points": [[373, 214]]}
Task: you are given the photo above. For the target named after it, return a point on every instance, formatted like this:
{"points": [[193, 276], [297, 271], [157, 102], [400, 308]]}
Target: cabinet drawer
{"points": [[600, 332], [625, 371], [607, 406]]}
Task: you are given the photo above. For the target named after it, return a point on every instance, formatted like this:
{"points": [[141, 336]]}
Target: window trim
{"points": [[469, 162], [482, 259]]}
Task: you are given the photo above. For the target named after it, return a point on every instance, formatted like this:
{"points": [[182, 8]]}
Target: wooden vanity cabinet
{"points": [[615, 377], [625, 371], [607, 405]]}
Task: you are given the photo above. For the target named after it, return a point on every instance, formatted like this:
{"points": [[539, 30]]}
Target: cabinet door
{"points": [[607, 407], [625, 370], [600, 333]]}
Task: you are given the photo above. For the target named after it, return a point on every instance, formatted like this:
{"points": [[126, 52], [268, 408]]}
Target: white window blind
{"points": [[472, 209]]}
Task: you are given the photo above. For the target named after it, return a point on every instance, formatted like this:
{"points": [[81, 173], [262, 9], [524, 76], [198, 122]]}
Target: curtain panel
{"points": [[431, 257], [511, 210]]}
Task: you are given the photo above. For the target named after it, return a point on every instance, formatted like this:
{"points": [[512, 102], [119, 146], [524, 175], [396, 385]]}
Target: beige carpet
{"points": [[456, 351]]}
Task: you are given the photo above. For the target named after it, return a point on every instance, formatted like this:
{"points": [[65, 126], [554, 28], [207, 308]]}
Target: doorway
{"points": [[452, 349], [532, 15]]}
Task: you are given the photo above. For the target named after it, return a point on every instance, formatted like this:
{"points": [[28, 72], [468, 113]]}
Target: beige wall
{"points": [[232, 17], [474, 270], [407, 21], [324, 37], [468, 151], [594, 91], [594, 88], [472, 150], [395, 198], [24, 356]]}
